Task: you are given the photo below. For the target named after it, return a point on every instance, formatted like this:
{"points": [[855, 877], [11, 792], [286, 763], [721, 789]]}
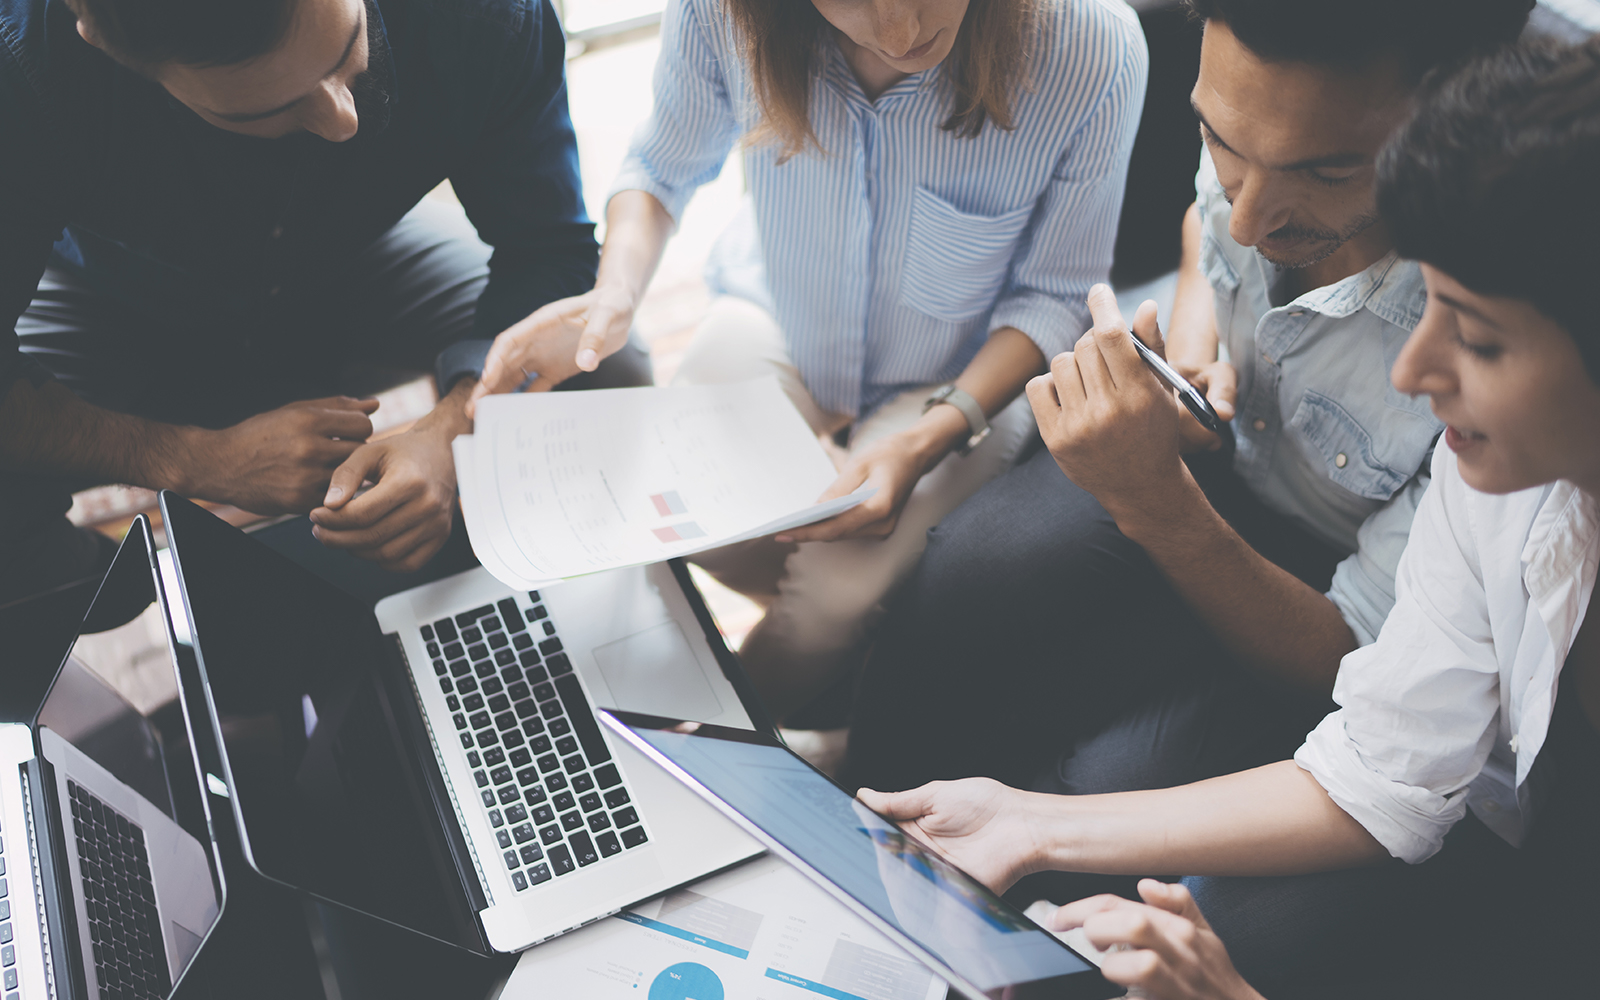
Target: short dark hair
{"points": [[1495, 180], [150, 33], [1425, 34]]}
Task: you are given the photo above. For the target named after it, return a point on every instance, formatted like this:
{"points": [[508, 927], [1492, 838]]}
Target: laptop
{"points": [[109, 881], [979, 944], [436, 762]]}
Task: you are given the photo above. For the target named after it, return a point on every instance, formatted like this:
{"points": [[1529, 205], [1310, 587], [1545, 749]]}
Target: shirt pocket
{"points": [[1346, 448], [955, 262]]}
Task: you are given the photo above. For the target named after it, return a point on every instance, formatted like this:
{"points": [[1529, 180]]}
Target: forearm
{"points": [[1272, 621], [637, 229], [993, 378], [48, 430], [1273, 820], [1192, 328]]}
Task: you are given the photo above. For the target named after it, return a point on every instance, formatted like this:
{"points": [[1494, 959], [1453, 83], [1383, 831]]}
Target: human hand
{"points": [[405, 518], [1110, 422], [986, 829], [556, 342], [1218, 381], [278, 462], [1163, 947]]}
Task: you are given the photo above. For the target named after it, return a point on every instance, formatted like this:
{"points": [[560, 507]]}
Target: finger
{"points": [[330, 453], [1147, 327], [478, 392], [372, 536], [1223, 389], [898, 806], [385, 496], [364, 404], [348, 425], [1068, 381], [347, 478], [1074, 914], [838, 526], [398, 549], [419, 556], [1090, 356], [1174, 898], [1145, 970], [1143, 926], [1104, 310], [595, 334]]}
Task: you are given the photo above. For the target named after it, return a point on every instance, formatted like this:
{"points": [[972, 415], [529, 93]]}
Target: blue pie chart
{"points": [[686, 981]]}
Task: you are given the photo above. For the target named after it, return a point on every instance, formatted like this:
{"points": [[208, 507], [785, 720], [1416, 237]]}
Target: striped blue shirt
{"points": [[890, 258]]}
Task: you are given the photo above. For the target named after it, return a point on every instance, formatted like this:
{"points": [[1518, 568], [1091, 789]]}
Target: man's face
{"points": [[1294, 145], [309, 83]]}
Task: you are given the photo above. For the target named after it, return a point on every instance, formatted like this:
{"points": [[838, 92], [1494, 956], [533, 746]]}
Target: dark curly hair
{"points": [[1495, 180]]}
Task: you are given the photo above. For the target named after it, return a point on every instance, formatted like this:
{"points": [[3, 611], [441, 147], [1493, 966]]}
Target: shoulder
{"points": [[24, 43], [1100, 38]]}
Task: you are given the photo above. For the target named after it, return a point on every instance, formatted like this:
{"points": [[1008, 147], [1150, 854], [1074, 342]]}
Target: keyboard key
{"points": [[534, 795], [533, 726], [500, 775], [550, 709], [549, 646], [523, 833], [589, 803], [616, 798], [481, 778], [566, 745], [470, 636], [433, 649], [607, 842], [495, 819], [529, 658], [550, 835], [491, 686], [539, 744], [512, 737], [531, 853], [447, 688], [498, 640], [479, 720], [477, 651], [504, 837], [427, 632], [505, 720], [634, 837], [513, 617], [453, 651], [512, 861], [522, 641], [549, 628], [543, 815], [511, 674], [460, 720], [446, 629], [538, 873], [563, 801], [484, 668], [516, 813], [516, 692], [607, 776], [508, 795], [488, 737], [504, 657], [555, 782], [466, 618], [460, 668], [526, 708], [536, 612], [544, 692], [495, 755], [439, 668], [527, 776], [472, 702], [599, 821], [561, 860], [548, 763], [466, 741], [583, 847], [573, 764], [474, 761], [588, 730], [8, 955], [625, 817], [520, 757], [467, 685], [519, 880], [560, 727], [559, 664], [571, 821]]}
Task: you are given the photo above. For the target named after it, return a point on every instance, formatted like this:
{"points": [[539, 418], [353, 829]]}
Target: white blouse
{"points": [[1450, 706]]}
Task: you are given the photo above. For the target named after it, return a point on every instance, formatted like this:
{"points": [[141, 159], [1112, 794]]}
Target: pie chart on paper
{"points": [[686, 981]]}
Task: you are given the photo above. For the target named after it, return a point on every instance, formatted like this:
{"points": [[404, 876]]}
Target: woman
{"points": [[934, 187], [1468, 738]]}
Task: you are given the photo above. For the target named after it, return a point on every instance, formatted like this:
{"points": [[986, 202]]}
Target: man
{"points": [[1117, 616], [204, 228]]}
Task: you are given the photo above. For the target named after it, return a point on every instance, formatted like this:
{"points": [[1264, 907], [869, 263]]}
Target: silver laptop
{"points": [[436, 762], [108, 875]]}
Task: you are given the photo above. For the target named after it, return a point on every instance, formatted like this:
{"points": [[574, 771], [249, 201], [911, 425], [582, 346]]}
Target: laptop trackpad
{"points": [[655, 672]]}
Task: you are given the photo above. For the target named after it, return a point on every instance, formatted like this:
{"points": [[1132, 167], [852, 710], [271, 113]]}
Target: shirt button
{"points": [[1298, 312], [1341, 460], [1491, 806], [1515, 741], [1260, 424]]}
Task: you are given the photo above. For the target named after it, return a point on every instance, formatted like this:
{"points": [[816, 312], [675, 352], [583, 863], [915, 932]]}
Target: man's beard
{"points": [[1324, 243], [370, 90]]}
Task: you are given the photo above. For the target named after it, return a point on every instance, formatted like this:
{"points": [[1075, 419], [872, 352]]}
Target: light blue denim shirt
{"points": [[1324, 438]]}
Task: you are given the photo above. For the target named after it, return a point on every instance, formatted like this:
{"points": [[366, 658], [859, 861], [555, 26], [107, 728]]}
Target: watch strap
{"points": [[977, 424]]}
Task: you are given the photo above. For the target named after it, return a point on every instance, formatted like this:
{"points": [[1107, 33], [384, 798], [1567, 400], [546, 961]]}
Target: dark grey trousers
{"points": [[405, 299]]}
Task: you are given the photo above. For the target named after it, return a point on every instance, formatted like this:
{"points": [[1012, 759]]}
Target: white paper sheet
{"points": [[759, 932], [555, 485]]}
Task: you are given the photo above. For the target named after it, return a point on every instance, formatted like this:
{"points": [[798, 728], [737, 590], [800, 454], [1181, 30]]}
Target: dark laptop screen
{"points": [[321, 732], [125, 783]]}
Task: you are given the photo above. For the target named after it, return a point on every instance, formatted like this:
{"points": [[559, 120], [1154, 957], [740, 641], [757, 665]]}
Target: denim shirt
{"points": [[1324, 437], [221, 233]]}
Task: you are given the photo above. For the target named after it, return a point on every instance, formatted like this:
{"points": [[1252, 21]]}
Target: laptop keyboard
{"points": [[542, 771], [130, 958], [8, 948]]}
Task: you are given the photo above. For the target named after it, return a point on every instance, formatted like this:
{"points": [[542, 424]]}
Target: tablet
{"points": [[979, 943]]}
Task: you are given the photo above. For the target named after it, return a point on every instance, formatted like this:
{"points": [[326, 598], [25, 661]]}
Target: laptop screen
{"points": [[126, 787], [312, 708]]}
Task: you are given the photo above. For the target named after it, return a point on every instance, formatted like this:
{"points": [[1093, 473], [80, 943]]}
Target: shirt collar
{"points": [[1389, 287]]}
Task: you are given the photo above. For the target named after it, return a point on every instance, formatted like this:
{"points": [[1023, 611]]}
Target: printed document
{"points": [[759, 932], [560, 484]]}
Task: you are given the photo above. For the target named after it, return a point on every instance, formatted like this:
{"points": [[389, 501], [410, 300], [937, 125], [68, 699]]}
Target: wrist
{"points": [[1159, 512], [176, 458], [936, 434], [448, 418]]}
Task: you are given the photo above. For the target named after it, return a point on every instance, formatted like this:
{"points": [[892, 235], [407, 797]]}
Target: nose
{"points": [[332, 114], [1259, 208], [1424, 366], [898, 27]]}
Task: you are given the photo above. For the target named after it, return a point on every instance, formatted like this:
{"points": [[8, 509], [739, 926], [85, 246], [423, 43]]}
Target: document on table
{"points": [[560, 484], [759, 932]]}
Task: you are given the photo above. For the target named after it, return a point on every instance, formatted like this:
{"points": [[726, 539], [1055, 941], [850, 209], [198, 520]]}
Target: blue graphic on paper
{"points": [[686, 981]]}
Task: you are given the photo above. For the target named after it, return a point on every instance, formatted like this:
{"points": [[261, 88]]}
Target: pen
{"points": [[1196, 403]]}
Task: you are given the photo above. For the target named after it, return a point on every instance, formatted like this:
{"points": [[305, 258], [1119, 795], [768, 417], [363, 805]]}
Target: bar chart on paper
{"points": [[761, 931]]}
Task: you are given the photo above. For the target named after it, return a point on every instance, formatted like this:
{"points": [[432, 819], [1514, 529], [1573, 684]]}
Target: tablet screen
{"points": [[956, 919]]}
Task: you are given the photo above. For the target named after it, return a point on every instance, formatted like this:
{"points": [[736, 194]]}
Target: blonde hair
{"points": [[782, 42]]}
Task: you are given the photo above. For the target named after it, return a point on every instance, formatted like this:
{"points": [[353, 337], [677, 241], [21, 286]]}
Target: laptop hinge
{"points": [[38, 885]]}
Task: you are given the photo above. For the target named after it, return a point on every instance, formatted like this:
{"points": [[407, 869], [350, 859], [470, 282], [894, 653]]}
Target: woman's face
{"points": [[1509, 383], [909, 35]]}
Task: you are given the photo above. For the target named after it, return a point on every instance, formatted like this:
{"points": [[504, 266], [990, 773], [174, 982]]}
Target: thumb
{"points": [[897, 805], [1174, 898], [1147, 327], [349, 476], [593, 341]]}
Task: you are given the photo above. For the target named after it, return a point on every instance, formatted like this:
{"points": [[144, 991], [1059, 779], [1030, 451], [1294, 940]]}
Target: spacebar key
{"points": [[582, 716]]}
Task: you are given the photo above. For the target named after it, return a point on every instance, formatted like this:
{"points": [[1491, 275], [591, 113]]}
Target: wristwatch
{"points": [[969, 408]]}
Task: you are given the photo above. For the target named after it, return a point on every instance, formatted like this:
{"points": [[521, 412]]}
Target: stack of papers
{"points": [[561, 484], [759, 932]]}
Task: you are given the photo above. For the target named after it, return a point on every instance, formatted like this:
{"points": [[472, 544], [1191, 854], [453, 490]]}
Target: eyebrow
{"points": [[1314, 163], [1460, 306], [256, 116]]}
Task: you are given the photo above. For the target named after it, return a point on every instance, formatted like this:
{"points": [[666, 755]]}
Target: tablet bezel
{"points": [[1086, 985]]}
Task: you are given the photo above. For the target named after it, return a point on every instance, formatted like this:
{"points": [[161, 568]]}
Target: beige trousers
{"points": [[823, 598]]}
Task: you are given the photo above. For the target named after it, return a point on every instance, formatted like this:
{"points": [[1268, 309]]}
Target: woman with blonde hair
{"points": [[934, 186]]}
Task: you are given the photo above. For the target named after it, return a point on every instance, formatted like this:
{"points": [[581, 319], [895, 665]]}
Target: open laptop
{"points": [[436, 762], [979, 943], [109, 881]]}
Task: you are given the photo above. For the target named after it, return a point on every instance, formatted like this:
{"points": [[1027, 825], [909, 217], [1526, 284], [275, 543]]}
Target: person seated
{"points": [[934, 186], [211, 211], [1467, 737], [1145, 604]]}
